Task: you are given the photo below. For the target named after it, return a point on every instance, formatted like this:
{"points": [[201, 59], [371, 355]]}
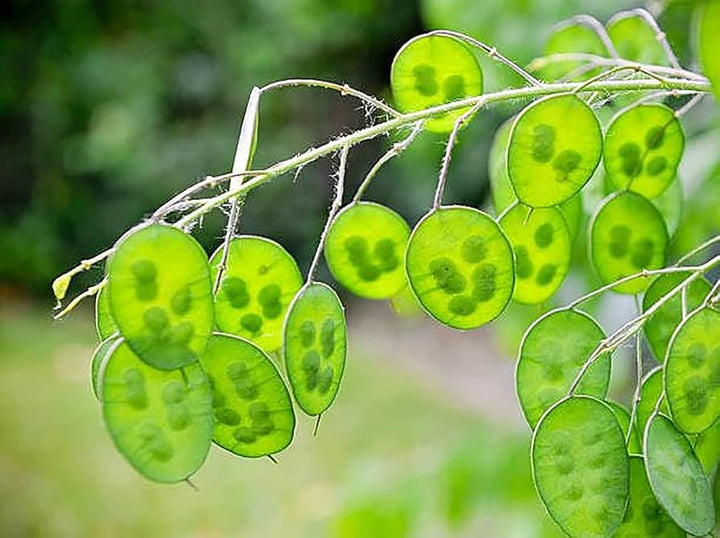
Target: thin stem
{"points": [[344, 89], [62, 282], [317, 425], [396, 149], [606, 74], [452, 139], [709, 297], [395, 123], [659, 35], [92, 290], [634, 325], [638, 379], [208, 182], [684, 303], [492, 53], [334, 208], [597, 27], [710, 242], [233, 219], [594, 60], [680, 112]]}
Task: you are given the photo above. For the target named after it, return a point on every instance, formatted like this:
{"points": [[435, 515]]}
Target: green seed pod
{"points": [[541, 241], [555, 146], [431, 70], [677, 478], [622, 415], [552, 352], [670, 204], [707, 448], [643, 147], [365, 248], [570, 37], [153, 266], [253, 413], [644, 515], [160, 421], [650, 391], [101, 354], [660, 326], [503, 195], [635, 40], [692, 372], [315, 345], [460, 266], [104, 323], [709, 43], [627, 234], [580, 466], [259, 282]]}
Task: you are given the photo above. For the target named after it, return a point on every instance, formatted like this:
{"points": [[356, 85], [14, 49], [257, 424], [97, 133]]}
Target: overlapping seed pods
{"points": [[365, 248], [101, 354], [555, 146], [709, 43], [644, 515], [552, 352], [677, 478], [660, 326], [634, 39], [627, 234], [643, 148], [160, 420], [160, 295], [581, 467], [257, 285], [460, 266], [670, 204], [315, 346], [431, 70], [104, 323], [571, 37], [650, 391], [542, 245], [502, 192], [707, 448], [634, 443], [251, 406], [692, 371]]}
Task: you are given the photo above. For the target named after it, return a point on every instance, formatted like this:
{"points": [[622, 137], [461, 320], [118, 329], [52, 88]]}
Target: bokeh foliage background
{"points": [[107, 108]]}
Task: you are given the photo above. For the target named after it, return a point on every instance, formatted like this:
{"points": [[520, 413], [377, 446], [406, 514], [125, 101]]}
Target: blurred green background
{"points": [[109, 107]]}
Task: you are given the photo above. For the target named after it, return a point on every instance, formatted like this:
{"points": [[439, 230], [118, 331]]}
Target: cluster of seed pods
{"points": [[179, 367]]}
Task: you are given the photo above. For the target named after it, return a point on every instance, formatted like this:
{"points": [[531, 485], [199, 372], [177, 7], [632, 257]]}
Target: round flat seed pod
{"points": [[662, 324], [552, 352], [709, 43], [643, 147], [555, 146], [253, 413], [431, 70], [707, 448], [160, 295], [568, 37], [100, 355], [634, 40], [260, 280], [692, 372], [315, 346], [676, 477], [644, 515], [104, 323], [622, 415], [580, 466], [160, 420], [541, 241], [650, 391], [460, 266], [627, 234], [365, 248], [503, 195]]}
